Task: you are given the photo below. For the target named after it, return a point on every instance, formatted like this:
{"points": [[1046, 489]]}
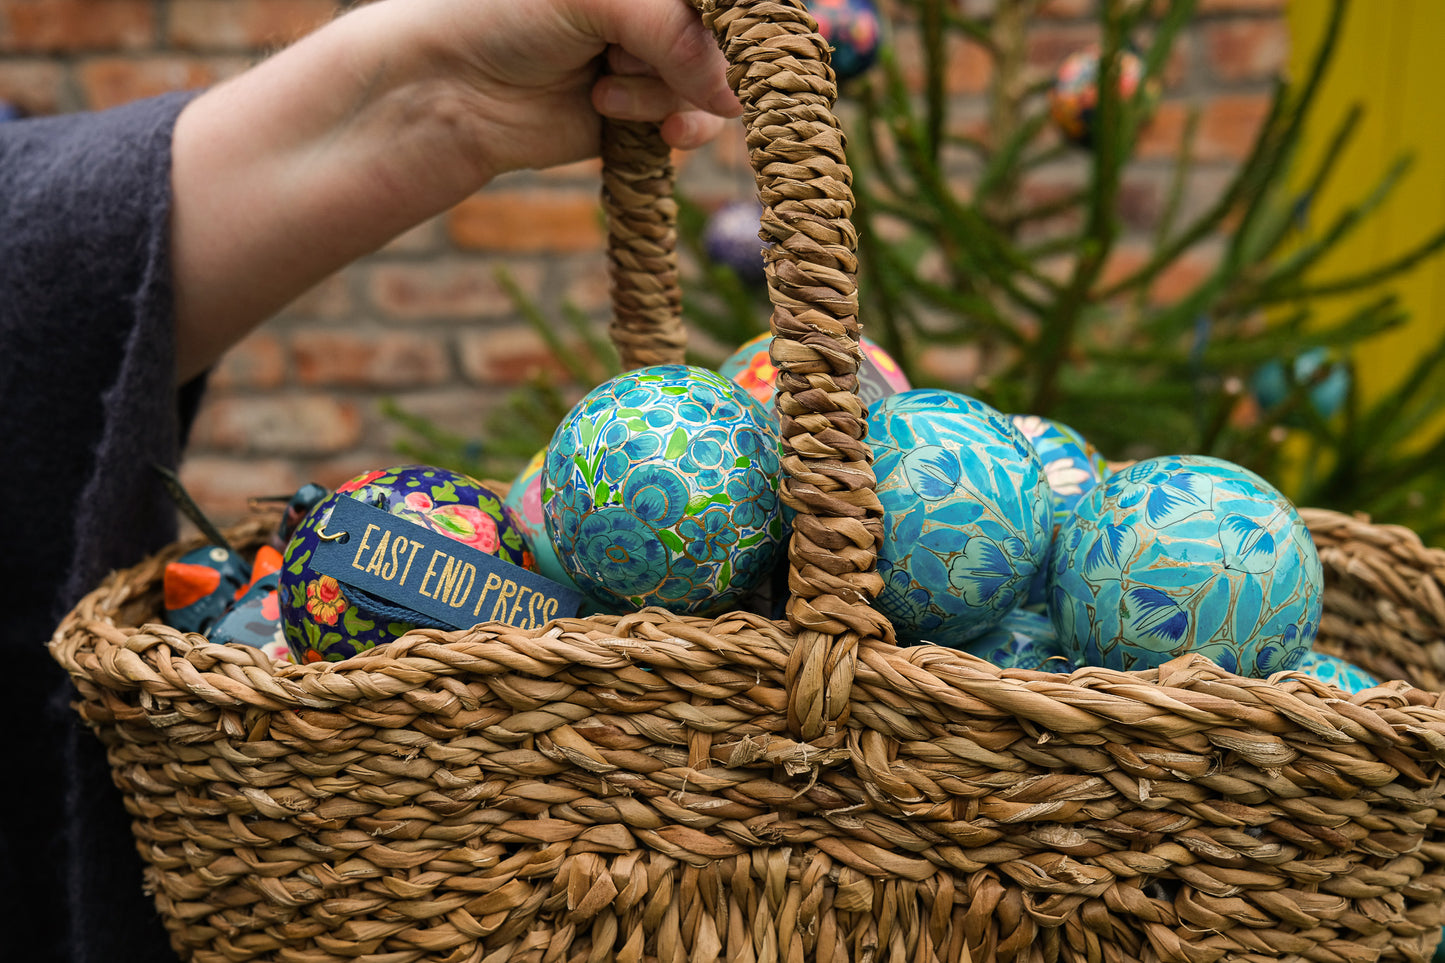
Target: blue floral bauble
{"points": [[1337, 672], [731, 237], [1273, 386], [966, 514], [324, 620], [1023, 640], [1184, 554], [661, 488]]}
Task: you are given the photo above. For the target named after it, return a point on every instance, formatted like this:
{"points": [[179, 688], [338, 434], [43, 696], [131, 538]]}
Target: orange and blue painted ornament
{"points": [[752, 368], [324, 620], [200, 585], [1074, 96], [854, 31]]}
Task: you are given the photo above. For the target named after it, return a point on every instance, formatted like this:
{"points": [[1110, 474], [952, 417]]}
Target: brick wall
{"points": [[425, 321]]}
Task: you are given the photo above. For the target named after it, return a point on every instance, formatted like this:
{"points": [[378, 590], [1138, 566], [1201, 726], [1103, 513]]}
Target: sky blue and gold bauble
{"points": [[1337, 672], [966, 514], [1182, 554], [661, 488], [853, 29], [1023, 640], [324, 620]]}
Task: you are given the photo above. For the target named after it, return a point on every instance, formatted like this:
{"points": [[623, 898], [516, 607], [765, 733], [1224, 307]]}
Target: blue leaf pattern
{"points": [[1177, 498], [1111, 551], [933, 472], [1248, 545], [1154, 613]]}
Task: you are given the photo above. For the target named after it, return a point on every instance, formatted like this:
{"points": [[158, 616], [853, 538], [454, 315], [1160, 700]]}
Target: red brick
{"points": [[329, 299], [111, 81], [67, 26], [243, 24], [1184, 275], [1050, 43], [459, 411], [507, 356], [388, 359], [951, 364], [1068, 9], [332, 472], [448, 290], [222, 486], [1247, 49], [293, 424], [729, 150], [1240, 6], [35, 86], [1162, 135], [1229, 125], [528, 220], [259, 361], [967, 67]]}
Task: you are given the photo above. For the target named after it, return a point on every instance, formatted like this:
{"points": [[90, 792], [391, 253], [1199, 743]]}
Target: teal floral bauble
{"points": [[326, 621], [1337, 672], [1186, 554], [966, 514], [1023, 640], [661, 488]]}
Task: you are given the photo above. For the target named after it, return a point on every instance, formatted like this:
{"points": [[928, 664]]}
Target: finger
{"points": [[690, 129], [619, 61], [635, 98], [669, 35]]}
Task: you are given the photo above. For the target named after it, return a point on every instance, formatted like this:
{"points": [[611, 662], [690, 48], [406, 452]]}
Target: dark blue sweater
{"points": [[87, 402]]}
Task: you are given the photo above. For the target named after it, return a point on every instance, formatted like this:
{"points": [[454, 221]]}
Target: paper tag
{"points": [[872, 385], [450, 583]]}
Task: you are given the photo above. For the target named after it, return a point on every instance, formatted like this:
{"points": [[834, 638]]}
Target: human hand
{"points": [[532, 69], [396, 111]]}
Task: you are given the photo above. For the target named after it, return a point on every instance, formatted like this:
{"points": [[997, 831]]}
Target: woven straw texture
{"points": [[651, 787]]}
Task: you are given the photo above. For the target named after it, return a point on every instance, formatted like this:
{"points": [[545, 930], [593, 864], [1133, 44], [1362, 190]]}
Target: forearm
{"points": [[306, 162]]}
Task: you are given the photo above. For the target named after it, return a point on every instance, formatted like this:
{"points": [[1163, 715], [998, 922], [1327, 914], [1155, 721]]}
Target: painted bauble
{"points": [[853, 29], [1074, 96], [966, 514], [1343, 675], [661, 488], [1186, 554], [730, 237], [254, 619], [751, 367], [325, 620], [10, 111], [1072, 467], [524, 505], [1273, 386], [1023, 640], [201, 585]]}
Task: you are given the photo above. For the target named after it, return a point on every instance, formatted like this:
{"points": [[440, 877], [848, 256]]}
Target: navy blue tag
{"points": [[872, 386], [425, 572]]}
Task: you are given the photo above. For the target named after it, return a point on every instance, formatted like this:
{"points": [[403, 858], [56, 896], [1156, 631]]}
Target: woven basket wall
{"points": [[653, 787]]}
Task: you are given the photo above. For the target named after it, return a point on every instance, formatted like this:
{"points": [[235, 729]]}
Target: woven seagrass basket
{"points": [[654, 787]]}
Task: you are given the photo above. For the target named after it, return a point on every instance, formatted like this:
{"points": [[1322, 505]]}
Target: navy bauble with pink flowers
{"points": [[325, 620]]}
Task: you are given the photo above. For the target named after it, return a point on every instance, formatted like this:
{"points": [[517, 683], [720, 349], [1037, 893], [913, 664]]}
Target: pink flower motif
{"points": [[468, 525], [1030, 426], [418, 501]]}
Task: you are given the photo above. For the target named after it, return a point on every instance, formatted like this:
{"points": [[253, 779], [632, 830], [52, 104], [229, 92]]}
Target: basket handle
{"points": [[778, 66]]}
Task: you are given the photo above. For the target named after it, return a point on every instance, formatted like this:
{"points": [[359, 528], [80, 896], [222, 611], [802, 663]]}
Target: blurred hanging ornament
{"points": [[10, 111], [731, 238], [1074, 96], [1326, 382], [853, 29]]}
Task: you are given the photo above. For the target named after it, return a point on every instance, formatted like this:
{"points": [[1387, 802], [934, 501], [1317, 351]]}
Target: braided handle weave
{"points": [[778, 66]]}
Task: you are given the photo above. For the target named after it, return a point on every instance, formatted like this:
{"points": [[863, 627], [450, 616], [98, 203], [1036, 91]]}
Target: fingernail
{"points": [[613, 99]]}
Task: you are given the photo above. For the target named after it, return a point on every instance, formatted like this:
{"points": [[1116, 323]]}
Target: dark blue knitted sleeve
{"points": [[87, 402]]}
